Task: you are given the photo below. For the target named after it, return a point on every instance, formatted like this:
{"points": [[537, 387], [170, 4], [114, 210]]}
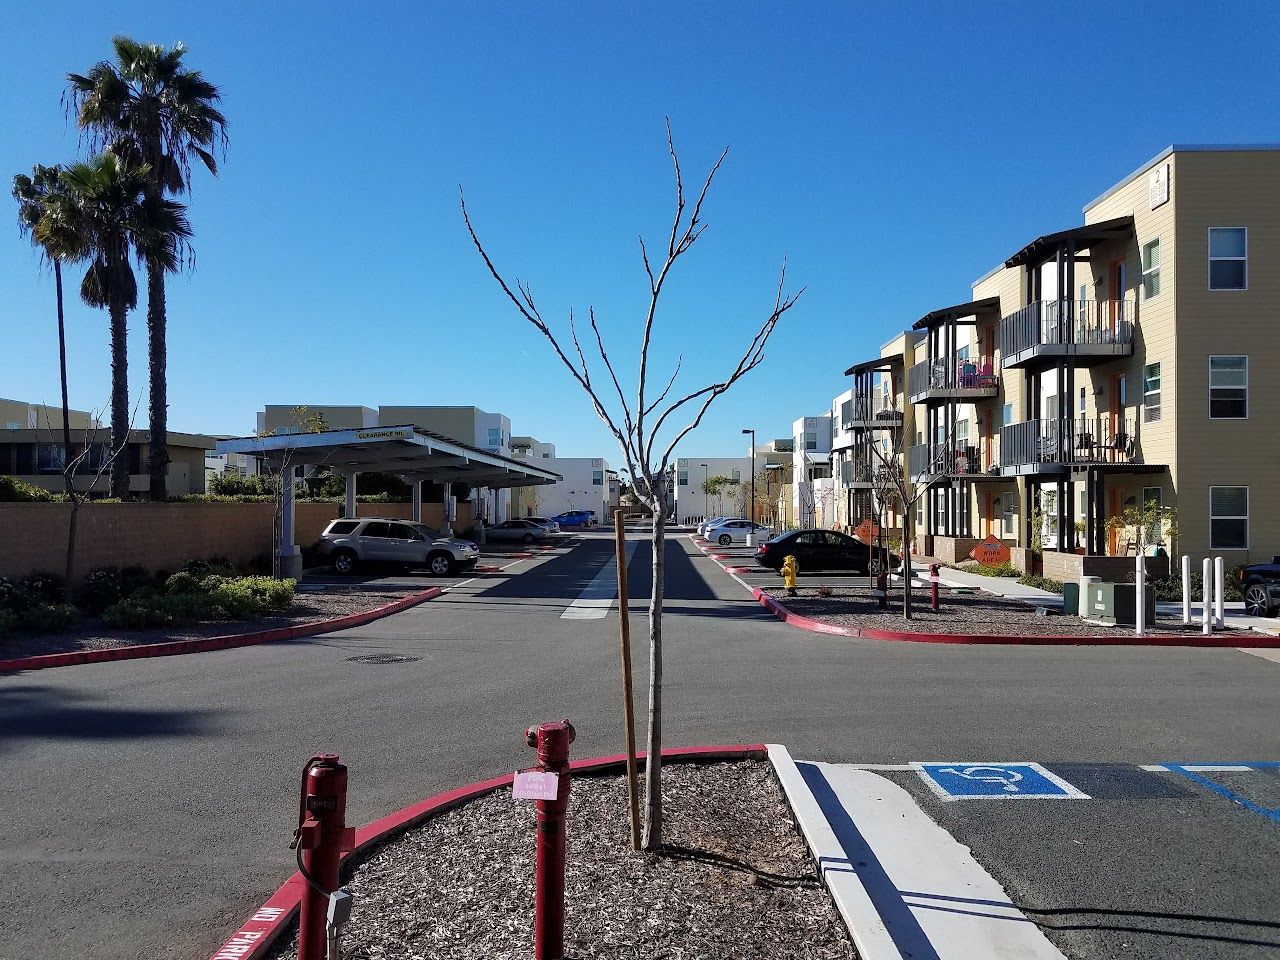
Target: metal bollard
{"points": [[1140, 594], [1186, 590], [321, 839], [933, 585], [1219, 593], [552, 741], [1206, 610]]}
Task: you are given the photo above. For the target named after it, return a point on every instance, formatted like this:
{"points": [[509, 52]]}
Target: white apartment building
{"points": [[812, 490], [588, 483], [695, 504]]}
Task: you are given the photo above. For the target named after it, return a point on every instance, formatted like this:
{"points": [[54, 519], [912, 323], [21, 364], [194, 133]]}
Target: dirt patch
{"points": [[735, 881], [93, 634], [977, 614]]}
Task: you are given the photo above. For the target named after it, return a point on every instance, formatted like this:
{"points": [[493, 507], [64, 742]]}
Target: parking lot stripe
{"points": [[1198, 778], [599, 595]]}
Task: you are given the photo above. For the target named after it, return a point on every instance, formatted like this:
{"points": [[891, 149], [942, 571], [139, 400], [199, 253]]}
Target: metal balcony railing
{"points": [[1067, 322], [952, 374], [1097, 441], [867, 409], [959, 459]]}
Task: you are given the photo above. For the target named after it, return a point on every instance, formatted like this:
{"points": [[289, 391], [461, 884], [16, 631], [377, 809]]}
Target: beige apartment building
{"points": [[1122, 362], [36, 457], [20, 415]]}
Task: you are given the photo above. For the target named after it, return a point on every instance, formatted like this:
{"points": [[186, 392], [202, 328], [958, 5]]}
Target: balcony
{"points": [[1049, 446], [869, 413], [865, 474], [954, 379], [1089, 332], [961, 460]]}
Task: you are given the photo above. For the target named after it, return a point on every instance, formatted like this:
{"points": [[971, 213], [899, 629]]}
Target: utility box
{"points": [[1113, 604], [1101, 602], [1070, 598], [1126, 605]]}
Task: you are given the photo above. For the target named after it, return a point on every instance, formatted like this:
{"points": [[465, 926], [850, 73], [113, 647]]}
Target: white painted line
{"points": [[600, 594], [1154, 768], [745, 586], [1216, 767], [925, 880], [1266, 653], [867, 930], [882, 766]]}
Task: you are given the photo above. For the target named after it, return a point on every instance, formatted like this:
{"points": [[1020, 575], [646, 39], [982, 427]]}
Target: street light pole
{"points": [[706, 491], [751, 504]]}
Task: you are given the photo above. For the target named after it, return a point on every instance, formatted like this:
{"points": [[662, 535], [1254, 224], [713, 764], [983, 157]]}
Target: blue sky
{"points": [[893, 153]]}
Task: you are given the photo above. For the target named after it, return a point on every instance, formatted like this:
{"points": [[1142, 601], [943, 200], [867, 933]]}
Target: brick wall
{"points": [[953, 550], [1071, 567]]}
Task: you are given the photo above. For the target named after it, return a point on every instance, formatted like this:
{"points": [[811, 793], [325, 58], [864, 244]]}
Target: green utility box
{"points": [[1115, 605], [1070, 598]]}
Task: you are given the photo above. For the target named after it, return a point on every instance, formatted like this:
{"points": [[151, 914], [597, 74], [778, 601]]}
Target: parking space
{"points": [[740, 561]]}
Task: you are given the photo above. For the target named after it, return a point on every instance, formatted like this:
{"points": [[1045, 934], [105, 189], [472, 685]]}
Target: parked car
{"points": [[548, 522], [824, 550], [518, 531], [735, 531], [350, 543], [702, 527], [1260, 584], [574, 518]]}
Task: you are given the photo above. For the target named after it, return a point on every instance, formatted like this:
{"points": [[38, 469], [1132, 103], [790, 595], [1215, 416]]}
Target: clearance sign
{"points": [[991, 552]]}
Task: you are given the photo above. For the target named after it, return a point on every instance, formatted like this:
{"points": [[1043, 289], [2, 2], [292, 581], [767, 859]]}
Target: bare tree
{"points": [[637, 425]]}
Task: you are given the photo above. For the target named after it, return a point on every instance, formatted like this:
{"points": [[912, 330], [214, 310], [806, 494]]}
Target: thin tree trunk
{"points": [[119, 383], [72, 525], [906, 563], [653, 764], [68, 471], [157, 356]]}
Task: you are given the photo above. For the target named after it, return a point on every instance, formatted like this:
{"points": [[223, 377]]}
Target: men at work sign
{"points": [[991, 552]]}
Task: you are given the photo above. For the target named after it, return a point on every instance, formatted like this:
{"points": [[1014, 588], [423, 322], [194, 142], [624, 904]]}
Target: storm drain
{"points": [[383, 658]]}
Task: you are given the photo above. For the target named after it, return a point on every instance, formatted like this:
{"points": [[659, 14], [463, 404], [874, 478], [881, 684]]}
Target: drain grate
{"points": [[383, 658]]}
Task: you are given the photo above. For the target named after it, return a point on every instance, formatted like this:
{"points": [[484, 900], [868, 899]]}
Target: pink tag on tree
{"points": [[535, 785]]}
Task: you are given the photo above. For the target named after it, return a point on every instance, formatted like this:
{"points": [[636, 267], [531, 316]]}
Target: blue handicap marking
{"points": [[995, 781]]}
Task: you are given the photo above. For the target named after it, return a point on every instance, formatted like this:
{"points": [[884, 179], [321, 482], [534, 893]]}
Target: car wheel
{"points": [[1256, 601], [725, 540], [441, 564], [528, 538], [344, 561]]}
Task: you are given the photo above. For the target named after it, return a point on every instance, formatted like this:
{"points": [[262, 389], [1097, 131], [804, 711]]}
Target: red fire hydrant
{"points": [[321, 839], [933, 584], [552, 741]]}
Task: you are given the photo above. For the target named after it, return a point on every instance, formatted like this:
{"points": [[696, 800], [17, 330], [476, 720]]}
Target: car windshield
{"points": [[426, 531]]}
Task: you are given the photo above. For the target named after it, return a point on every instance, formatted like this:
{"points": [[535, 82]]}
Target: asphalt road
{"points": [[148, 804]]}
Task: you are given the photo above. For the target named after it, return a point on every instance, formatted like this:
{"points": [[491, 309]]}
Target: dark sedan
{"points": [[1260, 584], [824, 550]]}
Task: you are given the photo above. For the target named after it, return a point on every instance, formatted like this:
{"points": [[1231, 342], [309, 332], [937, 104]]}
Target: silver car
{"points": [[351, 542], [517, 531], [551, 525]]}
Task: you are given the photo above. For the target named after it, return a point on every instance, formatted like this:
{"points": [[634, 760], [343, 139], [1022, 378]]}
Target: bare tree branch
{"points": [[670, 383]]}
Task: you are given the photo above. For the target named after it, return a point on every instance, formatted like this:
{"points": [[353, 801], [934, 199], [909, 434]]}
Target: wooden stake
{"points": [[628, 706]]}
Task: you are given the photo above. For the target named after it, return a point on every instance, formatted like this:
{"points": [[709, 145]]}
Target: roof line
{"points": [[1180, 148]]}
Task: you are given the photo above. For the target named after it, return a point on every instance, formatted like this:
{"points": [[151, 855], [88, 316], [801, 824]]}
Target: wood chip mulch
{"points": [[735, 879]]}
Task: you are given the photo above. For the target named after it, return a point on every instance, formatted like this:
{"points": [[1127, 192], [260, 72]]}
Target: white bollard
{"points": [[1140, 594], [1220, 592], [1206, 612], [1186, 590]]}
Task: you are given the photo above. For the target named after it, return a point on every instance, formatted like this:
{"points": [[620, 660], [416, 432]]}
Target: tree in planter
{"points": [[304, 421], [148, 108], [637, 424], [1151, 523], [715, 487]]}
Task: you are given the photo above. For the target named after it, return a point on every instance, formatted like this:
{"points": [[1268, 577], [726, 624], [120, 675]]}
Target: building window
{"points": [[495, 436], [1007, 415], [1228, 518], [597, 478], [49, 458], [1082, 402], [1151, 270], [1151, 393], [737, 475], [811, 440], [1153, 500], [682, 478], [1228, 258], [1228, 388], [962, 432]]}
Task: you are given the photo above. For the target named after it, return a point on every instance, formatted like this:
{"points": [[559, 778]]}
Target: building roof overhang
{"points": [[1046, 247], [885, 364], [957, 311], [407, 451]]}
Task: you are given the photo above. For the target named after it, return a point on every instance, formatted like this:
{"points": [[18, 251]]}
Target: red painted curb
{"points": [[793, 619], [257, 934], [205, 644]]}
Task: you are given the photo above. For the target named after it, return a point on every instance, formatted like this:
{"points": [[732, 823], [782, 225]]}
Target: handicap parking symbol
{"points": [[995, 781]]}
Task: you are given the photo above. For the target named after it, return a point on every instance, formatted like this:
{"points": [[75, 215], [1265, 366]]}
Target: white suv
{"points": [[348, 543]]}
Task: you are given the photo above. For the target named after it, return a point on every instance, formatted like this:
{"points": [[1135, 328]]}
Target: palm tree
{"points": [[36, 196], [103, 210], [150, 109]]}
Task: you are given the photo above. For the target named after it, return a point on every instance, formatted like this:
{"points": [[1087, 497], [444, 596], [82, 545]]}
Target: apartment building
{"points": [[695, 503], [20, 415], [813, 491], [587, 483], [1122, 362], [36, 456]]}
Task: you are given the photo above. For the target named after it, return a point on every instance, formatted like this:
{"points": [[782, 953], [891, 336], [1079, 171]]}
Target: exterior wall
{"points": [[693, 506], [186, 473], [532, 449], [228, 465], [805, 495], [280, 418], [577, 491], [20, 415]]}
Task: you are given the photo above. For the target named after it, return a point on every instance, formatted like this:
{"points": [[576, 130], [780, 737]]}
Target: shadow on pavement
{"points": [[27, 712]]}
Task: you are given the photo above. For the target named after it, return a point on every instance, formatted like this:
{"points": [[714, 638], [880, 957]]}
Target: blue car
{"points": [[574, 518]]}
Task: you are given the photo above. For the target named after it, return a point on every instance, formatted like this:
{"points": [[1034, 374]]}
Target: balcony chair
{"points": [[986, 375]]}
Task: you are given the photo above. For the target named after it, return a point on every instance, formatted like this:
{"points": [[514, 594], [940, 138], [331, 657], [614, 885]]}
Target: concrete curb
{"points": [[257, 934], [205, 644], [793, 619]]}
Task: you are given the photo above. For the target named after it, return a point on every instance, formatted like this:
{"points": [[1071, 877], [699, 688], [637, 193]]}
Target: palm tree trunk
{"points": [[653, 764], [119, 383], [157, 355]]}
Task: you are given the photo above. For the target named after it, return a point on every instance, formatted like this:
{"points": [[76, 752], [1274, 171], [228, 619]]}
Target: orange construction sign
{"points": [[991, 552], [867, 531]]}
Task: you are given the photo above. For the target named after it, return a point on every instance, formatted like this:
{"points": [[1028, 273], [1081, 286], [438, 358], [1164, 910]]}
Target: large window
{"points": [[1228, 518], [1228, 388], [682, 478], [1152, 505], [597, 478], [1151, 393], [1228, 258], [495, 436], [49, 458], [1151, 269], [811, 440], [1006, 415]]}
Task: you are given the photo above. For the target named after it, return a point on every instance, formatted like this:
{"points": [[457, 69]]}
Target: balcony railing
{"points": [[959, 459], [955, 374], [1099, 441], [863, 410], [1056, 324]]}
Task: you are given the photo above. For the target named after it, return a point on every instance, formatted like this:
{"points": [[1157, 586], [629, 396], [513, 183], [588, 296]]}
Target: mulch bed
{"points": [[977, 614], [93, 634], [736, 879]]}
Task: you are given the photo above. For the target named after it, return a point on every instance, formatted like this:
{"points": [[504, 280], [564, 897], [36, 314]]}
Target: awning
{"points": [[1046, 248], [885, 364], [958, 311], [409, 452]]}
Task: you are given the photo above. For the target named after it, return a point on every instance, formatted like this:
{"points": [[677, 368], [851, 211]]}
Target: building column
{"points": [[415, 500], [349, 510], [448, 508], [289, 558]]}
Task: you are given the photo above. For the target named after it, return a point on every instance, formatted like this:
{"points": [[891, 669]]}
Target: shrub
{"points": [[7, 620], [185, 600], [49, 617], [12, 598], [182, 583], [218, 564], [1170, 588], [100, 590], [133, 578], [1004, 570], [43, 587], [13, 490], [1042, 583]]}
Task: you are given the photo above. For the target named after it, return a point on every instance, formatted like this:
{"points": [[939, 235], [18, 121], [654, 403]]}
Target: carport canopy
{"points": [[409, 452]]}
